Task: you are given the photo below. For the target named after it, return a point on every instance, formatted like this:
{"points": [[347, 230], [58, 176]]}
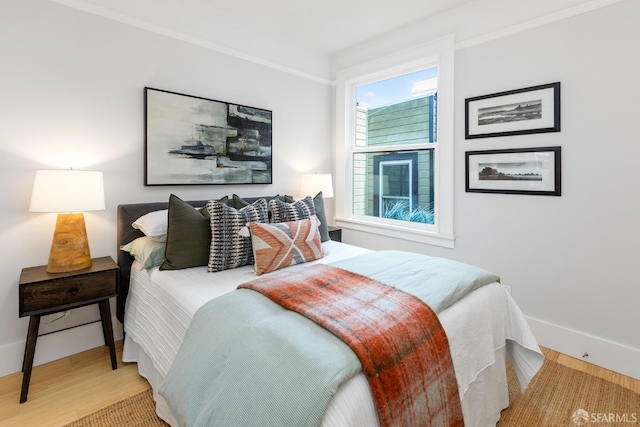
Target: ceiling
{"points": [[330, 25]]}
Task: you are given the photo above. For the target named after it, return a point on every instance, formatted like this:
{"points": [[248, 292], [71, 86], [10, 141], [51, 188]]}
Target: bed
{"points": [[484, 329]]}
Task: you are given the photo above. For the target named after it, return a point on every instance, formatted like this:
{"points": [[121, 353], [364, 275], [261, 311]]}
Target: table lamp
{"points": [[311, 184], [69, 193]]}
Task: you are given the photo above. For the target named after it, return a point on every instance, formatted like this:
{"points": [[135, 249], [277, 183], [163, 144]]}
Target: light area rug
{"points": [[135, 411], [561, 396], [557, 396]]}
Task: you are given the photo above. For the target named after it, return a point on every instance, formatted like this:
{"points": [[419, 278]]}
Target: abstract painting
{"points": [[191, 140]]}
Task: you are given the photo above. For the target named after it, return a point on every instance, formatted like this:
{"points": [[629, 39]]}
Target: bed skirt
{"points": [[482, 402]]}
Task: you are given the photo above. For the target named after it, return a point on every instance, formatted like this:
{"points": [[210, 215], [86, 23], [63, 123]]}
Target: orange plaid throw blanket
{"points": [[403, 349]]}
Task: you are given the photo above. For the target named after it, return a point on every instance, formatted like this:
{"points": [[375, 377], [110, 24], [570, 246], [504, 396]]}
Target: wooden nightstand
{"points": [[335, 233], [43, 293]]}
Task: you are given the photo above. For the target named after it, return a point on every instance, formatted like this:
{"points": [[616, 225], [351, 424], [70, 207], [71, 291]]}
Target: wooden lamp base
{"points": [[70, 247]]}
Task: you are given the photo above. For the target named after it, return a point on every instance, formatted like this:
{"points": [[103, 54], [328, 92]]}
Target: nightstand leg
{"points": [[105, 315], [104, 332], [29, 351]]}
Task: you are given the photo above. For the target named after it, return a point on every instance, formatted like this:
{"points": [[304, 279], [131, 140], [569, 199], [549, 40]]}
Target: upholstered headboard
{"points": [[127, 214]]}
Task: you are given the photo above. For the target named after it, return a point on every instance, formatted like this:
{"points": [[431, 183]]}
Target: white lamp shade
{"points": [[311, 184], [67, 191]]}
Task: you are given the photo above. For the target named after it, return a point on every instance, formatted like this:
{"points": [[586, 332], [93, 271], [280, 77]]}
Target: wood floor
{"points": [[70, 388], [67, 389], [596, 371]]}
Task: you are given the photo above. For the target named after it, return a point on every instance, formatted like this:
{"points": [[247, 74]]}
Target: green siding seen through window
{"points": [[404, 123]]}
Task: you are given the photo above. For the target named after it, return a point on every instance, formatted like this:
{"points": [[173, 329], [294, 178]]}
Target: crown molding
{"points": [[187, 38], [538, 22], [198, 41]]}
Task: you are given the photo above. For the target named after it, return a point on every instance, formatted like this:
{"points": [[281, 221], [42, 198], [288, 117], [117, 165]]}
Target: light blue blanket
{"points": [[246, 361], [437, 281]]}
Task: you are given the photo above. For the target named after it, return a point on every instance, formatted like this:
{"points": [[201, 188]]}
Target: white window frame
{"points": [[439, 53]]}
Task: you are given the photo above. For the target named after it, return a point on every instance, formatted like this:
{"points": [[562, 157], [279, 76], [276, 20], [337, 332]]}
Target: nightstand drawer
{"points": [[67, 292]]}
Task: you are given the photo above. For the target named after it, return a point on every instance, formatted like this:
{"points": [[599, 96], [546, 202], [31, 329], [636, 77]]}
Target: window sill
{"points": [[397, 232]]}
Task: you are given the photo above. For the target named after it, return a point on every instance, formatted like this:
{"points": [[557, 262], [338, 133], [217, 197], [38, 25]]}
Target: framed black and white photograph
{"points": [[515, 171], [191, 140], [530, 110]]}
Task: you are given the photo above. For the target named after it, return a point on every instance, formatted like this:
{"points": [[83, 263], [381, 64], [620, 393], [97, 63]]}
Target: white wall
{"points": [[199, 23], [571, 260], [71, 94]]}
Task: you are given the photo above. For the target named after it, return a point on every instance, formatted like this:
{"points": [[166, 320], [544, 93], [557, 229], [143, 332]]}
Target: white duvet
{"points": [[482, 328]]}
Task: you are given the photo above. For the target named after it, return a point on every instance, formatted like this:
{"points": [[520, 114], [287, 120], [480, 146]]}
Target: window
{"points": [[395, 145], [392, 113]]}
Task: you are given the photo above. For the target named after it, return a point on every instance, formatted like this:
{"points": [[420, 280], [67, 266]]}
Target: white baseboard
{"points": [[607, 354], [56, 346]]}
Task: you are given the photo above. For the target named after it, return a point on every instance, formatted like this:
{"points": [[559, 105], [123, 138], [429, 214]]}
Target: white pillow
{"points": [[154, 225], [147, 252]]}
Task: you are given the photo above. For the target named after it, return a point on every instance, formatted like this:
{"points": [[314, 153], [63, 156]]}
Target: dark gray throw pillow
{"points": [[188, 235], [239, 202]]}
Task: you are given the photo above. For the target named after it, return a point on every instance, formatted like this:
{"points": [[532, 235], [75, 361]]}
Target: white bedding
{"points": [[482, 328]]}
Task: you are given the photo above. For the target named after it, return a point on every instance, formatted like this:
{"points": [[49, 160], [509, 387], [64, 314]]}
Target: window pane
{"points": [[394, 184], [400, 110], [395, 179]]}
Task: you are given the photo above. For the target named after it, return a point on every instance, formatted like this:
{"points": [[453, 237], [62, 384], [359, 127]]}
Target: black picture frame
{"points": [[533, 171], [191, 140], [503, 113]]}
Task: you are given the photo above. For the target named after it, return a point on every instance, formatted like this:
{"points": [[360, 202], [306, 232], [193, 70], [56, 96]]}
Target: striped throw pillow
{"points": [[285, 244], [228, 248], [283, 212]]}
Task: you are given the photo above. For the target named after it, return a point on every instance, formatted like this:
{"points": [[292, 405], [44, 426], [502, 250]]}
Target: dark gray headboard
{"points": [[127, 214]]}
